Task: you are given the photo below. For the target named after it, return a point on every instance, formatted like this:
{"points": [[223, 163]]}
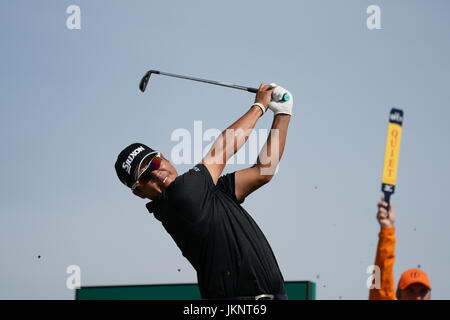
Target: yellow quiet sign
{"points": [[392, 153]]}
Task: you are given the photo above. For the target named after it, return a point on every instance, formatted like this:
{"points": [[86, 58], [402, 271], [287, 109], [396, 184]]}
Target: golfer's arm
{"points": [[250, 179], [230, 141]]}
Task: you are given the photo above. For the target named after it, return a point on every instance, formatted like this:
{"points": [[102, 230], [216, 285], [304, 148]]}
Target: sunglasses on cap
{"points": [[145, 174]]}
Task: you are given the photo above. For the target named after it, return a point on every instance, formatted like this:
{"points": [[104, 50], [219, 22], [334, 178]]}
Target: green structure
{"points": [[296, 290]]}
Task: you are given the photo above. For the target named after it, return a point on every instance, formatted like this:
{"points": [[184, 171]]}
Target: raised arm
{"points": [[234, 137], [250, 179], [385, 256]]}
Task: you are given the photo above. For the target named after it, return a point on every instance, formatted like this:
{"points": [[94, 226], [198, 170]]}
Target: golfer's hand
{"points": [[278, 105], [385, 219], [264, 95]]}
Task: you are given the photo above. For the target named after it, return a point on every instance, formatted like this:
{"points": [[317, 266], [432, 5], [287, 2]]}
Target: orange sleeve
{"points": [[385, 259]]}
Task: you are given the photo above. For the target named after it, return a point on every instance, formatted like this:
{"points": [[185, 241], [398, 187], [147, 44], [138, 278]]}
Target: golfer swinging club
{"points": [[201, 209]]}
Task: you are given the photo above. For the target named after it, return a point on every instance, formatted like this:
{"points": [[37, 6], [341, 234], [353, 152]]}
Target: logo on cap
{"points": [[127, 163]]}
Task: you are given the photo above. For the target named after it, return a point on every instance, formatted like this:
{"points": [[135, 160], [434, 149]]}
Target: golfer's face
{"points": [[160, 179]]}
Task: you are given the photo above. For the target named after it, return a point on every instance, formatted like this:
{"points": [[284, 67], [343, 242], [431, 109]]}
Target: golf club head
{"points": [[145, 79]]}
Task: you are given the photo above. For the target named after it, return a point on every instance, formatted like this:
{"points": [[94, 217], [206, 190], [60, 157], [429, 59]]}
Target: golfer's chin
{"points": [[151, 191], [167, 181]]}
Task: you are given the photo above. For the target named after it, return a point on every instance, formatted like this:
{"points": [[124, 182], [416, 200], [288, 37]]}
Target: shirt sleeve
{"points": [[226, 184], [385, 259], [189, 193]]}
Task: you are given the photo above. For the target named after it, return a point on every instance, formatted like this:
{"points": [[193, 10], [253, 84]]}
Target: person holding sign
{"points": [[414, 283]]}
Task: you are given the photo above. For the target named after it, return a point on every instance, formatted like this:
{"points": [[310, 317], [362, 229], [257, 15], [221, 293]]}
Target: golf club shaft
{"points": [[146, 78], [223, 84]]}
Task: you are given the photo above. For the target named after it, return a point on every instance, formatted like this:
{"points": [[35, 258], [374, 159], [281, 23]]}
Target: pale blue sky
{"points": [[70, 102]]}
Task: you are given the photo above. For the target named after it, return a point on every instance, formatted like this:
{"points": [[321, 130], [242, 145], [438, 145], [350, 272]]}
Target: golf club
{"points": [[145, 79]]}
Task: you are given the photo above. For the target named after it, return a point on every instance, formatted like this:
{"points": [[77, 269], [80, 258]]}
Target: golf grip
{"points": [[286, 97]]}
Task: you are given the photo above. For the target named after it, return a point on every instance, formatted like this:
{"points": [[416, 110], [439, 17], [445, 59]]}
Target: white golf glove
{"points": [[278, 105]]}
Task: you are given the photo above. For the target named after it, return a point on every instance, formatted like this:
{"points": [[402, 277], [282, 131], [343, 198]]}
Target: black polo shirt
{"points": [[217, 235]]}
